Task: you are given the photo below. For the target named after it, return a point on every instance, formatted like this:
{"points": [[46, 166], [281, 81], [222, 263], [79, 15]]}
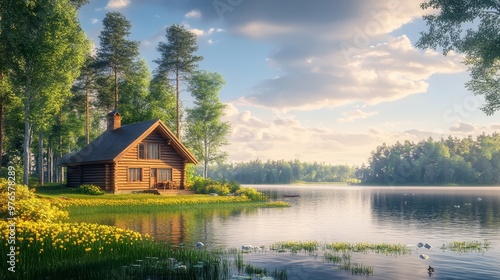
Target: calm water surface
{"points": [[406, 215]]}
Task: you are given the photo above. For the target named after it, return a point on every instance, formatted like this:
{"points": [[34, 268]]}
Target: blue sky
{"points": [[323, 80]]}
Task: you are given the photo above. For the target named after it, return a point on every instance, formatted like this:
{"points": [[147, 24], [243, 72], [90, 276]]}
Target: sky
{"points": [[320, 81]]}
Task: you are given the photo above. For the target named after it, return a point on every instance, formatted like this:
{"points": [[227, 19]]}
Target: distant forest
{"points": [[447, 161], [281, 172]]}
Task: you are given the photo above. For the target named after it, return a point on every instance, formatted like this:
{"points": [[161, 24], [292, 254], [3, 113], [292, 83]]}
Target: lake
{"points": [[324, 213]]}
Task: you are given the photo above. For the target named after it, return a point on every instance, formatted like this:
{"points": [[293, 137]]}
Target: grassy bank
{"points": [[78, 203], [92, 251], [41, 245]]}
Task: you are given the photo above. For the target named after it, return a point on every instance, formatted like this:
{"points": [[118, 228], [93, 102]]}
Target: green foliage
{"points": [[450, 28], [177, 61], [44, 46], [206, 186], [450, 161], [177, 54], [282, 172], [90, 190], [27, 206], [116, 54], [206, 130], [251, 193], [134, 97]]}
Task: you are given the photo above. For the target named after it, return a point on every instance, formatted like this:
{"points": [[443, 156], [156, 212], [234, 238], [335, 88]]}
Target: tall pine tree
{"points": [[178, 60], [116, 54]]}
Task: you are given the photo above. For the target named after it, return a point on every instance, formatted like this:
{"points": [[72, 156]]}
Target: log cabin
{"points": [[134, 157]]}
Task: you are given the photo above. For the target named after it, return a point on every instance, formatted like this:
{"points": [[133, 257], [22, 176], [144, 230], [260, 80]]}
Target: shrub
{"points": [[206, 186], [90, 189], [28, 206], [252, 194]]}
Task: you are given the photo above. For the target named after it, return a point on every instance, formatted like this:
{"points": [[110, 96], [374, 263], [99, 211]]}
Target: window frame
{"points": [[135, 174], [168, 174], [149, 151]]}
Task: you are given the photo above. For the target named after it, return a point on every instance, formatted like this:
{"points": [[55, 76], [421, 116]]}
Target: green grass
{"points": [[144, 203], [467, 246], [91, 251]]}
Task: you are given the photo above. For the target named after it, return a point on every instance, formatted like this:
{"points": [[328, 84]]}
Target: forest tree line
{"points": [[447, 161], [281, 172], [56, 90]]}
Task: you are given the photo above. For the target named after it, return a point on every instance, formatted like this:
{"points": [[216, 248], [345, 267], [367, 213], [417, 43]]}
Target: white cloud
{"points": [[94, 21], [193, 14], [356, 114], [259, 29], [286, 137], [117, 4], [380, 73], [197, 32], [463, 127]]}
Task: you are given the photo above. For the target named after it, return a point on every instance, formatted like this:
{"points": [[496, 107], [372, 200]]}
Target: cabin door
{"points": [[153, 179]]}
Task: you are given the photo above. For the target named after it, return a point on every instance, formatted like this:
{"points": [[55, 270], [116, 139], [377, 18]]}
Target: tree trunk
{"points": [[1, 132], [27, 135], [87, 129], [205, 160], [178, 104], [60, 176], [50, 162], [116, 89], [40, 159]]}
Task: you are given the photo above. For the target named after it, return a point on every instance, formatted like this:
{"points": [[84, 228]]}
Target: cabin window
{"points": [[165, 174], [149, 151], [134, 174]]}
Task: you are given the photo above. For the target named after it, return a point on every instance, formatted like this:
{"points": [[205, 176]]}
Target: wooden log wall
{"points": [[73, 176], [169, 158]]}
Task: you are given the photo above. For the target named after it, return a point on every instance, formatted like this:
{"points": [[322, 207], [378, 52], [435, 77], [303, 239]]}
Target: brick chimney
{"points": [[114, 120]]}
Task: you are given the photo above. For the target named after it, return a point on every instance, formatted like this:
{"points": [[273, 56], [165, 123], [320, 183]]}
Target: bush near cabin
{"points": [[208, 186], [90, 189]]}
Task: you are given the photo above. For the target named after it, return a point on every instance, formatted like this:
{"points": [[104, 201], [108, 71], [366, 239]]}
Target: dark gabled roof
{"points": [[112, 144]]}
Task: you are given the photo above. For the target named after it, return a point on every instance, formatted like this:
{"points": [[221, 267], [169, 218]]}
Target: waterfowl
{"points": [[430, 269]]}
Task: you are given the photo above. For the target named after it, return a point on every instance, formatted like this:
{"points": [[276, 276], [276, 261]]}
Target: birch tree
{"points": [[45, 47], [207, 132]]}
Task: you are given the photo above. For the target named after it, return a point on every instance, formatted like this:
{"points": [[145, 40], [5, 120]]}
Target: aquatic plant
{"points": [[467, 246], [295, 246], [362, 247], [357, 269]]}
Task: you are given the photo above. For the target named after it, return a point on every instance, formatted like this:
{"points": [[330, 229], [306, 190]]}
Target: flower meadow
{"points": [[47, 247]]}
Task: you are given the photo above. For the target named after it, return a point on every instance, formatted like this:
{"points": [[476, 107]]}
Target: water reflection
{"points": [[174, 227], [438, 207], [347, 214]]}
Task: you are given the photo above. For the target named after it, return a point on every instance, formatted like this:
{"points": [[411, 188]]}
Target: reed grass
{"points": [[295, 246], [467, 246]]}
